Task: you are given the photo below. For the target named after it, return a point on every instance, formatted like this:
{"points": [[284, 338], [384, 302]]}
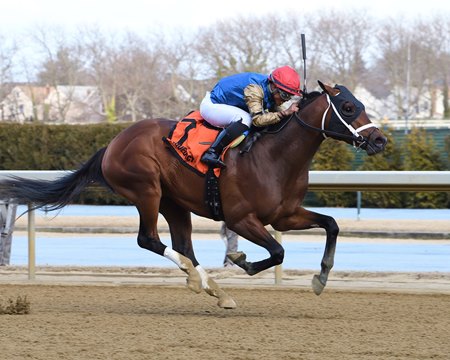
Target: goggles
{"points": [[285, 96]]}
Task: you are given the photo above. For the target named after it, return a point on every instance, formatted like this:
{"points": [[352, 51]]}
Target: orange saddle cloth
{"points": [[189, 139]]}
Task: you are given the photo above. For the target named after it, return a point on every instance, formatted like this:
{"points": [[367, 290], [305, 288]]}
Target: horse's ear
{"points": [[323, 87], [328, 89]]}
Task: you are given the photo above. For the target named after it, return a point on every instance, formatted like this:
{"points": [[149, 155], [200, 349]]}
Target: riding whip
{"points": [[304, 62]]}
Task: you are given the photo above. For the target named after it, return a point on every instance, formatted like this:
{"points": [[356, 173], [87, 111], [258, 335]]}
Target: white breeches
{"points": [[222, 115]]}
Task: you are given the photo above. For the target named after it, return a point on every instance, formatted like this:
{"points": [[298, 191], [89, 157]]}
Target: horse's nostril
{"points": [[381, 141]]}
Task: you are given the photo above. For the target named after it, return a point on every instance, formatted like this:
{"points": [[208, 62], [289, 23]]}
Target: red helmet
{"points": [[286, 79]]}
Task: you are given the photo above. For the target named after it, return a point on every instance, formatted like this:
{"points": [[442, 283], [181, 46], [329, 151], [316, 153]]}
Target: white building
{"points": [[74, 104], [24, 103], [61, 104]]}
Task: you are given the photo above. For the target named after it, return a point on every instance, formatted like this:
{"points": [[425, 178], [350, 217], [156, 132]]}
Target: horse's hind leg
{"points": [[180, 226], [148, 238]]}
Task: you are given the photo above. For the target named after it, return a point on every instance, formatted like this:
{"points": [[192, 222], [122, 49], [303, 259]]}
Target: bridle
{"points": [[359, 141]]}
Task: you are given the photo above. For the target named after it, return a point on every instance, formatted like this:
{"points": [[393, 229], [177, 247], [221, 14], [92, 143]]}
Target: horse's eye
{"points": [[348, 109]]}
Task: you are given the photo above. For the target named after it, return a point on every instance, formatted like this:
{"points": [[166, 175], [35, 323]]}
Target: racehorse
{"points": [[265, 186]]}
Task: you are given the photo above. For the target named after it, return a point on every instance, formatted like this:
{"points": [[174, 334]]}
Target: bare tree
{"points": [[142, 77], [237, 45], [287, 49], [166, 75], [136, 64], [101, 55], [433, 38], [414, 58], [341, 41], [170, 86], [393, 40], [61, 64], [8, 51]]}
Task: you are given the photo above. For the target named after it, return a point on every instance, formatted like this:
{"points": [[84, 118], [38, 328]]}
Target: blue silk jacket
{"points": [[230, 90]]}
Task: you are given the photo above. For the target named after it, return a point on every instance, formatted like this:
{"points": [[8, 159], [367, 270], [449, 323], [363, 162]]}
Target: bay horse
{"points": [[265, 186]]}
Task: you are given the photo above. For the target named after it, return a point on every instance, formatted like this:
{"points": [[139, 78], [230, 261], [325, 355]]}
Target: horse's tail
{"points": [[54, 195]]}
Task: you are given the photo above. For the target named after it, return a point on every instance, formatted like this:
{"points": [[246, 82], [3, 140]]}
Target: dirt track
{"points": [[112, 314], [170, 322]]}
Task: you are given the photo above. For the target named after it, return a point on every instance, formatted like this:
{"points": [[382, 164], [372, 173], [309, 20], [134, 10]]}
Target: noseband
{"points": [[359, 141]]}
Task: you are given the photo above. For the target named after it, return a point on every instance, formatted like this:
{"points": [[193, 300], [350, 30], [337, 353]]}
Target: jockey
{"points": [[238, 101]]}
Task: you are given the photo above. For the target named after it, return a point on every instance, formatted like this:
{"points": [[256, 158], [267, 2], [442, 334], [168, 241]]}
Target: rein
{"points": [[357, 139]]}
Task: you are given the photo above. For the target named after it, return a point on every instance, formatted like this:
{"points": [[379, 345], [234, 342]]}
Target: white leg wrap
{"points": [[203, 275], [194, 281], [174, 256]]}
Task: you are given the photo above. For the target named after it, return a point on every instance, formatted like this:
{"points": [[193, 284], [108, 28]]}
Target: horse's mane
{"points": [[256, 133], [308, 98]]}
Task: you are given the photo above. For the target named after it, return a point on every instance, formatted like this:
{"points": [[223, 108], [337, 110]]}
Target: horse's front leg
{"points": [[304, 219]]}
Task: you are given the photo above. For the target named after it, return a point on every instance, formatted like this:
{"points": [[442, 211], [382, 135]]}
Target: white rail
{"points": [[379, 180], [324, 180], [318, 181]]}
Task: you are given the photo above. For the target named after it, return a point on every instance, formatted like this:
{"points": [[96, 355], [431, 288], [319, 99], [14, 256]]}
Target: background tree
{"points": [[8, 51], [237, 45], [443, 28], [61, 65], [432, 41], [420, 155], [445, 98], [62, 68], [181, 86], [101, 54], [388, 160], [343, 52], [334, 155], [447, 149], [165, 74], [136, 66], [288, 49], [394, 45]]}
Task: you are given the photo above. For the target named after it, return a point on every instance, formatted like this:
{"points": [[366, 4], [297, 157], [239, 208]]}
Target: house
{"points": [[24, 103], [424, 105], [74, 104], [60, 104], [375, 108]]}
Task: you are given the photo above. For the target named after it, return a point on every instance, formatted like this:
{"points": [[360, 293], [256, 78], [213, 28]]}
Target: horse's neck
{"points": [[296, 147], [308, 140]]}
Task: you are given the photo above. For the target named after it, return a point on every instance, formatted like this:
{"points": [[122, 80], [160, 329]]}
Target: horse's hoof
{"points": [[194, 281], [226, 302], [237, 257], [317, 285], [194, 286]]}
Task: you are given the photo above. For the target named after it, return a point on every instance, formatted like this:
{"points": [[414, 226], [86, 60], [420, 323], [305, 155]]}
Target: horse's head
{"points": [[348, 121]]}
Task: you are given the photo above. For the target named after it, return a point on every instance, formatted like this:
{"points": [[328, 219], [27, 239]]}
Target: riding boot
{"points": [[226, 136]]}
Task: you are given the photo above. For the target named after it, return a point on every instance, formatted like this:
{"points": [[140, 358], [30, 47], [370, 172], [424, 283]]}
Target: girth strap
{"points": [[212, 195]]}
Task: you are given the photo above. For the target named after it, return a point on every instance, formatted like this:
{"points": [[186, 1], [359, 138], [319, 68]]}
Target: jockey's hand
{"points": [[290, 110]]}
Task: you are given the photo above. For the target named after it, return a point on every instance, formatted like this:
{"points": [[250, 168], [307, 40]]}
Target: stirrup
{"points": [[217, 163], [213, 159]]}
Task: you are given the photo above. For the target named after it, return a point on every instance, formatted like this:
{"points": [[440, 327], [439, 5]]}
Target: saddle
{"points": [[189, 139]]}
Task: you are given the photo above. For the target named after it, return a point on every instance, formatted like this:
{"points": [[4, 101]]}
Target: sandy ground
{"points": [[169, 322], [148, 313]]}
